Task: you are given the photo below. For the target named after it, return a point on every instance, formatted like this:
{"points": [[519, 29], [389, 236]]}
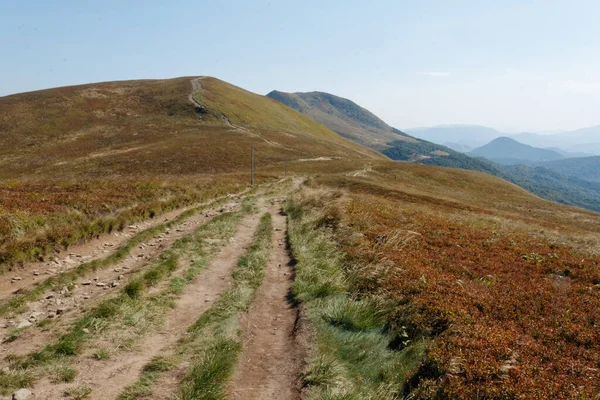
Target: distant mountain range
{"points": [[471, 136], [586, 168], [360, 125], [577, 143], [507, 151]]}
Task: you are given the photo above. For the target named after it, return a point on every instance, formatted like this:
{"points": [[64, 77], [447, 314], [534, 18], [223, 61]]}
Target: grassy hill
{"points": [[82, 160], [344, 117], [150, 127], [507, 151], [408, 280], [475, 273]]}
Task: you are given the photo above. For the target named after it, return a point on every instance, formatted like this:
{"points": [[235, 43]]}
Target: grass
{"points": [[38, 219], [490, 288], [213, 342], [151, 372], [101, 354], [351, 356], [216, 336], [80, 392], [133, 312], [18, 301]]}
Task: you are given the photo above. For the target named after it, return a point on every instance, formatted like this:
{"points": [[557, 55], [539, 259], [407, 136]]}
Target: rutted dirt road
{"points": [[64, 304], [34, 272], [272, 358], [107, 378]]}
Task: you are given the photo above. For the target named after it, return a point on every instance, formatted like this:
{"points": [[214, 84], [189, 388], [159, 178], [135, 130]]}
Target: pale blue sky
{"points": [[516, 65]]}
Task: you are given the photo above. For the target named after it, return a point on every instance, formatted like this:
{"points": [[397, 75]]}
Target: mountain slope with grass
{"points": [[507, 151], [362, 126], [152, 126], [344, 117], [137, 272]]}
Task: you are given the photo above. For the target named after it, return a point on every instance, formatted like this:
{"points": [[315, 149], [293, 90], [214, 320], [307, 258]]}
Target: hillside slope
{"points": [[507, 151], [152, 127], [359, 124], [344, 117], [362, 126], [586, 168]]}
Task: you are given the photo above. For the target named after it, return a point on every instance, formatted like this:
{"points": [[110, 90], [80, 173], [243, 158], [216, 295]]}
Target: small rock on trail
{"points": [[21, 394]]}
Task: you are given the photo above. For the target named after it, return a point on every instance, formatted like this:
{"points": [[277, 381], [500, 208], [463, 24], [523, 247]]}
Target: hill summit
{"points": [[344, 117], [505, 150]]}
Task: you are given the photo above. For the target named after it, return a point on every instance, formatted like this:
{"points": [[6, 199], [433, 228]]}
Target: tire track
{"points": [[66, 305], [272, 357], [107, 378]]}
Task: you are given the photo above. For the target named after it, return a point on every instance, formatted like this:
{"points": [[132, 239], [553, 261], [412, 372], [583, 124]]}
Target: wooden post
{"points": [[252, 169]]}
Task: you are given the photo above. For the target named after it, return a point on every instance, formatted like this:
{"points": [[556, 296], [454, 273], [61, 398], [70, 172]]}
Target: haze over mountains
{"points": [[507, 151], [576, 143]]}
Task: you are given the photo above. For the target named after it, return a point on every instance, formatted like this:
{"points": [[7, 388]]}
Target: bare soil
{"points": [[272, 357], [33, 272], [108, 378], [67, 305]]}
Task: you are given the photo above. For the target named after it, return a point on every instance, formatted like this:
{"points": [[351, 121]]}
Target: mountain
{"points": [[358, 124], [344, 117], [507, 151], [585, 168], [585, 140], [469, 135], [175, 126], [577, 143]]}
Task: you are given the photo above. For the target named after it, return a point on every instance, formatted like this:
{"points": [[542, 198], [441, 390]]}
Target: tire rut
{"points": [[90, 289], [107, 378], [34, 272], [272, 356]]}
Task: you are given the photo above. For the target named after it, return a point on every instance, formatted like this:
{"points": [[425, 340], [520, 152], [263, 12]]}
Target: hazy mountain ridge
{"points": [[507, 151], [362, 126], [576, 143], [585, 168]]}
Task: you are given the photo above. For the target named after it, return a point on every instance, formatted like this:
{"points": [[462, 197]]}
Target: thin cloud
{"points": [[435, 74]]}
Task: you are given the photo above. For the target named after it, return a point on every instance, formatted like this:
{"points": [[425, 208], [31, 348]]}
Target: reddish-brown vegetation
{"points": [[37, 218], [508, 312]]}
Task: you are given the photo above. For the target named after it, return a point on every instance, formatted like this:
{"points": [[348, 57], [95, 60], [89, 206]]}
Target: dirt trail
{"points": [[108, 378], [34, 272], [66, 305], [271, 361]]}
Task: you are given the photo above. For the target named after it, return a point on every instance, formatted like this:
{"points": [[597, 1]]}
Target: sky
{"points": [[511, 65]]}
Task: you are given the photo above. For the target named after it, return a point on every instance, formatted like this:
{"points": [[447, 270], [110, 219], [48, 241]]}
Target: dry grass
{"points": [[502, 284], [36, 219]]}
